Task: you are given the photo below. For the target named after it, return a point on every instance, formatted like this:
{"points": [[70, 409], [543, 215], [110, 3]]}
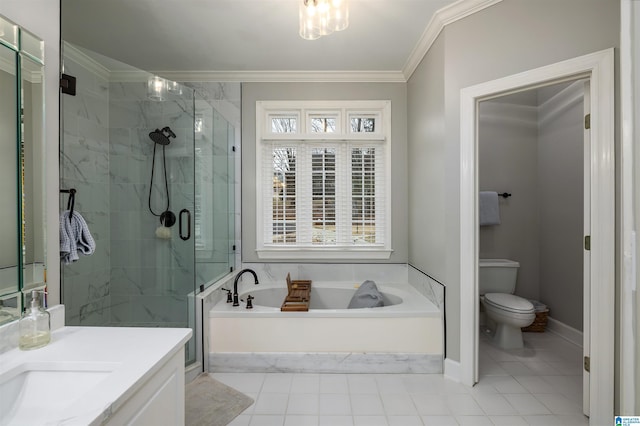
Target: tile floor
{"points": [[540, 384]]}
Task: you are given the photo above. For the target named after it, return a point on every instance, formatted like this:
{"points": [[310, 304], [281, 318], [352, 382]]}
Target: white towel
{"points": [[489, 208], [74, 237]]}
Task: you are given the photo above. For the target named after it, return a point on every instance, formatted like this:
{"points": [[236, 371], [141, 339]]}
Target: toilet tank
{"points": [[497, 275]]}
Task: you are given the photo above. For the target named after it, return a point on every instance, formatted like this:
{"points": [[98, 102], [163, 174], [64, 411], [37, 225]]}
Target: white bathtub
{"points": [[406, 335]]}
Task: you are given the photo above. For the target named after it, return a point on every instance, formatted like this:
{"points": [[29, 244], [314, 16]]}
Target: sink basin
{"points": [[37, 392]]}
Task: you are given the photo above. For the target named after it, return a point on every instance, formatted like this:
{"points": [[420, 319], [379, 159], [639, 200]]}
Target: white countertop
{"points": [[133, 355]]}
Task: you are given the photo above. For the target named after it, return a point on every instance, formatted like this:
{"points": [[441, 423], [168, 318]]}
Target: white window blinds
{"points": [[321, 188]]}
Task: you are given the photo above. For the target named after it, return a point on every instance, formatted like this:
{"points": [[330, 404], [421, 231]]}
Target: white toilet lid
{"points": [[509, 302]]}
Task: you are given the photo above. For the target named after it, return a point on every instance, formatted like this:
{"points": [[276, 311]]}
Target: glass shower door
{"points": [[129, 154]]}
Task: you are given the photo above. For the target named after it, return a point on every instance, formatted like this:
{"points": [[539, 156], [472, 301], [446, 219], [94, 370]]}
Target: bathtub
{"points": [[405, 335]]}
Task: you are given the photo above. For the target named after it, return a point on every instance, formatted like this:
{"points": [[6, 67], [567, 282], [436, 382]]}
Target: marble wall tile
{"points": [[427, 286], [369, 363]]}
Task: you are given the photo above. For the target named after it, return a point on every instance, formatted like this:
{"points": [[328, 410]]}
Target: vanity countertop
{"points": [[132, 356]]}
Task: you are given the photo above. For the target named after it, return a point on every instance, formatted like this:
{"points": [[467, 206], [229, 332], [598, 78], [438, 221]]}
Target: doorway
{"points": [[598, 68], [532, 148]]}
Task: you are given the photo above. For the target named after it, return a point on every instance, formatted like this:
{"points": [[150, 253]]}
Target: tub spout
{"points": [[235, 284]]}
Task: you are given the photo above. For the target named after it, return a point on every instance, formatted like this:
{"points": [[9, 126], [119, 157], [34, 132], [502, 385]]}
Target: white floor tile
{"points": [[277, 383], [535, 384], [559, 404], [390, 383], [398, 405], [474, 421], [544, 420], [503, 384], [362, 383], [334, 383], [266, 420], [463, 405], [241, 420], [366, 405], [515, 368], [494, 405], [271, 403], [508, 420], [370, 421], [243, 382], [526, 404], [303, 404], [404, 421], [335, 420], [439, 421], [334, 404], [305, 383], [431, 405], [301, 420]]}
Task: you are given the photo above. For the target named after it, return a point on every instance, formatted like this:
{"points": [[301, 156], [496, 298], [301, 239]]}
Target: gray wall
{"points": [[504, 39], [561, 208], [395, 92], [426, 166], [508, 162]]}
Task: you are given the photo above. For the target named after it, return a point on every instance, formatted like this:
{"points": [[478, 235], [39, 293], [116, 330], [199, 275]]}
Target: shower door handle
{"points": [[182, 236]]}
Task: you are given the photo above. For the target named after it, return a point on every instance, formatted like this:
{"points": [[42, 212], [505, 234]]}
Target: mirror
{"points": [[9, 225], [22, 229]]}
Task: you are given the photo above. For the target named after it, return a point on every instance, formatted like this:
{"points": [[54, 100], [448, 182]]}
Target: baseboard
{"points": [[566, 332], [452, 370]]}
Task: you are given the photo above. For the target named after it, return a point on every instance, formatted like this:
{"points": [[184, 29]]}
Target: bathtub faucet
{"points": [[235, 284]]}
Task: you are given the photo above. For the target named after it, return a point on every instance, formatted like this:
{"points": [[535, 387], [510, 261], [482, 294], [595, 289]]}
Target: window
{"points": [[323, 179]]}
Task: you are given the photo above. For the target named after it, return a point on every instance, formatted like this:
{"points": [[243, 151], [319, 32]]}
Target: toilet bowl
{"points": [[508, 312]]}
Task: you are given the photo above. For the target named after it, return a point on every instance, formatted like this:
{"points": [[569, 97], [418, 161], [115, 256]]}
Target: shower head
{"points": [[161, 137]]}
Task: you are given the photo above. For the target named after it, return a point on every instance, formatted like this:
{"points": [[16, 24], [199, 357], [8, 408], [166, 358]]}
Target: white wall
{"points": [[509, 37], [42, 17]]}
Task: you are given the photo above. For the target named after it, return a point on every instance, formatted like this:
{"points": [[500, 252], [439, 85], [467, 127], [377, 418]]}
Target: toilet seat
{"points": [[509, 303]]}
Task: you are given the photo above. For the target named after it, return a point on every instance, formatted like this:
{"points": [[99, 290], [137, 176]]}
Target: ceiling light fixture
{"points": [[322, 17]]}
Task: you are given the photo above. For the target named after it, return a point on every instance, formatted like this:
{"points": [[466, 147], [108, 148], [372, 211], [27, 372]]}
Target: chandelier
{"points": [[322, 17]]}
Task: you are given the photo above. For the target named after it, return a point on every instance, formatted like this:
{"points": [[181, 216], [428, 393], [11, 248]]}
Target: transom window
{"points": [[323, 179]]}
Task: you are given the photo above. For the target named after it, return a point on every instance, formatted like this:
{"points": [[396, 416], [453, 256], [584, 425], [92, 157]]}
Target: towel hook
{"points": [[71, 202]]}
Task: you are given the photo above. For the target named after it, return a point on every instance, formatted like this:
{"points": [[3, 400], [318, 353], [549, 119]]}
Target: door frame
{"points": [[598, 67]]}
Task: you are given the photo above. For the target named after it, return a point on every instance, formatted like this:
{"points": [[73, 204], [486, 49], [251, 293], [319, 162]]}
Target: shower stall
{"points": [[152, 165]]}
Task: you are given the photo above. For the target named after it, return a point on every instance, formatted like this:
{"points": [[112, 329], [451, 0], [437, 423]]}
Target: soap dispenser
{"points": [[34, 325]]}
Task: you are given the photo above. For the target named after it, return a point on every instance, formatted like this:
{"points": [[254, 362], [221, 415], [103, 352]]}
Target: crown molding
{"points": [[82, 59], [562, 101], [284, 76], [439, 20]]}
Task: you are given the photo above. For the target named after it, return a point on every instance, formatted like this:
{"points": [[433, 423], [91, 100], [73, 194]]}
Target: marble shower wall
{"points": [[84, 165], [150, 277]]}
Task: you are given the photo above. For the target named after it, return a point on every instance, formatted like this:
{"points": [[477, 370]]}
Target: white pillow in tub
{"points": [[367, 296]]}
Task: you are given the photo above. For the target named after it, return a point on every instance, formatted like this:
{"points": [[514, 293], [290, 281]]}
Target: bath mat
{"points": [[211, 403]]}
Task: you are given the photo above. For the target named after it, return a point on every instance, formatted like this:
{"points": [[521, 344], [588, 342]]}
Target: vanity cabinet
{"points": [[159, 401]]}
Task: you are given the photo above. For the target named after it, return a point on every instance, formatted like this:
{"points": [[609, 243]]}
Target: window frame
{"points": [[343, 111]]}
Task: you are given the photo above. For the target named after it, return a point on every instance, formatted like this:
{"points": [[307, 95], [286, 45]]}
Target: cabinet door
{"points": [[160, 401]]}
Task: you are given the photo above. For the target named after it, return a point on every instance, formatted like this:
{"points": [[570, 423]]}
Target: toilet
{"points": [[497, 283]]}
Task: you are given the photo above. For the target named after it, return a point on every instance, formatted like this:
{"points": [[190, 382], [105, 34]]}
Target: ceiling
{"points": [[252, 37]]}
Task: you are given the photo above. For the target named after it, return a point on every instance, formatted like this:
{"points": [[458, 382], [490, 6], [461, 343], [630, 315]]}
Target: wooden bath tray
{"points": [[298, 296]]}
